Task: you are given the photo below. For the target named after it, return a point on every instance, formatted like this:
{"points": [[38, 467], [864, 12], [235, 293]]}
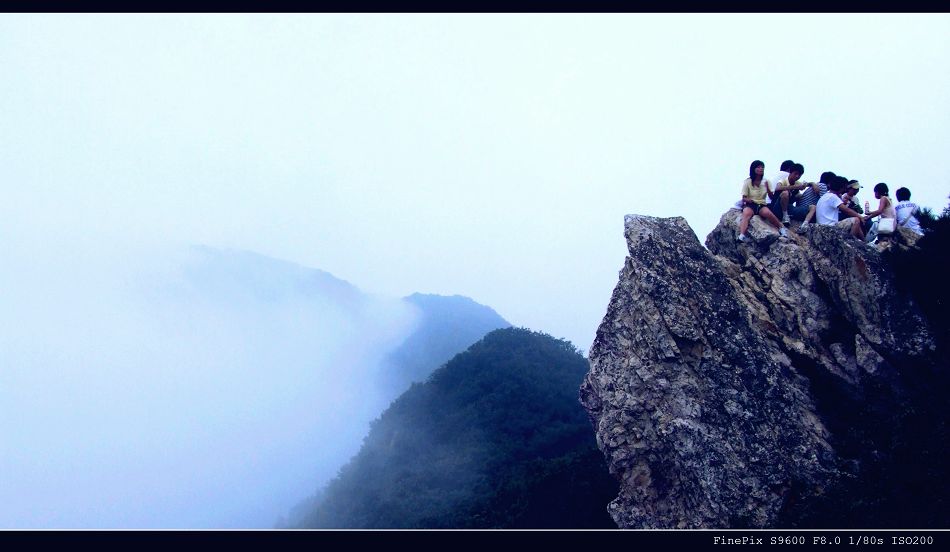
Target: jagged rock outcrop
{"points": [[754, 384]]}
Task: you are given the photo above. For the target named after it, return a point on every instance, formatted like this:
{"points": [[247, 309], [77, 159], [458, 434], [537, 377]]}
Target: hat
{"points": [[855, 184]]}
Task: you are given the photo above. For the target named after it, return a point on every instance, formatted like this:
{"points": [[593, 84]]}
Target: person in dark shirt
{"points": [[850, 198]]}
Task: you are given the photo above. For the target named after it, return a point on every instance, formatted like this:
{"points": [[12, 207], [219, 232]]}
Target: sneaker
{"points": [[785, 219], [742, 237], [783, 232]]}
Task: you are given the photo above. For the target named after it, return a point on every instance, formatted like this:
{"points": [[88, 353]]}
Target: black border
{"points": [[471, 6], [597, 540]]}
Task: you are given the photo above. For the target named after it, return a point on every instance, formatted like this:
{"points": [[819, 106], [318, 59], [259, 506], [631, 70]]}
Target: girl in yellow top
{"points": [[756, 193]]}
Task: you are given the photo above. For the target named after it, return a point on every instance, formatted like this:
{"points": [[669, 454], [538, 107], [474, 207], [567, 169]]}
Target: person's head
{"points": [[826, 177], [838, 185], [756, 170], [795, 172], [787, 165], [903, 194], [880, 190], [853, 187]]}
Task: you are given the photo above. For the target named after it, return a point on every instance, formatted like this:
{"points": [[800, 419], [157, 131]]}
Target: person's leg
{"points": [[797, 212], [775, 205], [811, 214], [746, 217], [767, 214], [856, 229], [871, 233], [800, 212], [784, 200]]}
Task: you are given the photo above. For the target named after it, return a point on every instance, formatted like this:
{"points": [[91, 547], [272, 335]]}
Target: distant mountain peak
{"points": [[237, 271], [446, 326]]}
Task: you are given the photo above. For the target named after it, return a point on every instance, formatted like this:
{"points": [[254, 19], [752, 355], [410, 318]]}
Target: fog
{"points": [[180, 387]]}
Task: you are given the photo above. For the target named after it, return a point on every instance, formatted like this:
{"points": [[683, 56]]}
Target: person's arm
{"points": [[779, 188], [850, 212], [880, 208], [768, 188]]}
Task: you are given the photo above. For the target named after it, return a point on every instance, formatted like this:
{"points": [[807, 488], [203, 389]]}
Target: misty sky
{"points": [[491, 156]]}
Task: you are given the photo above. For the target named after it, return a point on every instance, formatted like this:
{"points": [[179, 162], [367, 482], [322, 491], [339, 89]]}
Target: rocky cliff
{"points": [[773, 383]]}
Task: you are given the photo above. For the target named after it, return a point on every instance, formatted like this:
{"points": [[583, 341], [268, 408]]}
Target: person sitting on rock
{"points": [[907, 211], [782, 174], [850, 198], [831, 204], [755, 191], [885, 209], [804, 208], [787, 190]]}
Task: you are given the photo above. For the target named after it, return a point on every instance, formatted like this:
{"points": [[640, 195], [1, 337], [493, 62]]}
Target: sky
{"points": [[492, 156]]}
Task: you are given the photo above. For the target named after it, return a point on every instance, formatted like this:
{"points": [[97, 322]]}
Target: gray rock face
{"points": [[712, 371]]}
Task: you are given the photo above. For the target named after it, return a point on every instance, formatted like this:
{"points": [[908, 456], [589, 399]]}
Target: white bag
{"points": [[885, 226]]}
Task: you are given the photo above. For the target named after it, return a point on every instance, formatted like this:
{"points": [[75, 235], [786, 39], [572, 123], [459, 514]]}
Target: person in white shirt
{"points": [[830, 204], [906, 212], [782, 174]]}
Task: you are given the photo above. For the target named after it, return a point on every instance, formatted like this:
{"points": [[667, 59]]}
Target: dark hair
{"points": [[755, 164], [838, 183], [903, 194], [881, 188], [787, 165], [852, 181], [826, 177], [797, 167]]}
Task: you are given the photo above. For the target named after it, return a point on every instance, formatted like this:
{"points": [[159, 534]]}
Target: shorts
{"points": [[755, 207]]}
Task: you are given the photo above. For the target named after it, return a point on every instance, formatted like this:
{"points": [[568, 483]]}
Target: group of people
{"points": [[830, 201]]}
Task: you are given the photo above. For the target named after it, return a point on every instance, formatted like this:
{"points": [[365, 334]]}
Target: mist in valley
{"points": [[180, 386]]}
